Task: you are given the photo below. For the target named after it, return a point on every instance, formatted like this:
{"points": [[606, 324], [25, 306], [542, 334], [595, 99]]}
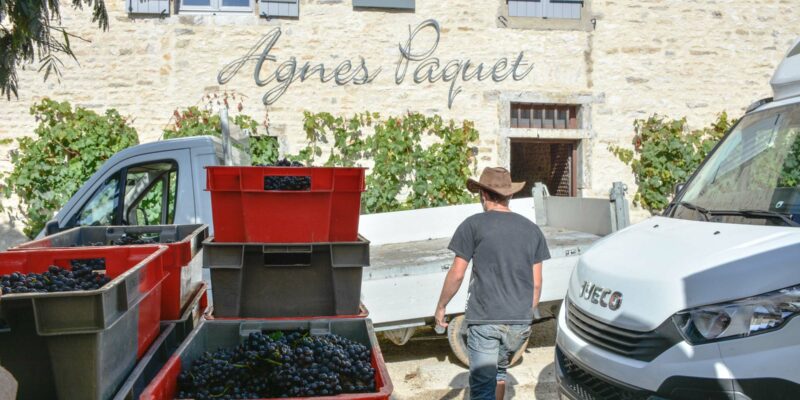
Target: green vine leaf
{"points": [[665, 152]]}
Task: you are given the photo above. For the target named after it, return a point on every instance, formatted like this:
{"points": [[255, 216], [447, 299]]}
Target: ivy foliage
{"points": [[194, 121], [416, 161], [665, 152], [67, 147]]}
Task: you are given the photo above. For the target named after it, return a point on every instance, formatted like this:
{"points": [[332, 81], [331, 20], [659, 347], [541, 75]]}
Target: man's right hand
{"points": [[440, 317]]}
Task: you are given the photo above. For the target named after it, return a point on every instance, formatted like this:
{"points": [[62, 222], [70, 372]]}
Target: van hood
{"points": [[665, 265]]}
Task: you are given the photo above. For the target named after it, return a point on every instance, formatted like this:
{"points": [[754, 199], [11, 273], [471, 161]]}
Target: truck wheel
{"points": [[457, 336]]}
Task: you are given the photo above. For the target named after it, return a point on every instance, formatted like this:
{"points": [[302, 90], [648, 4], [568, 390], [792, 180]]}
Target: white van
{"points": [[700, 303]]}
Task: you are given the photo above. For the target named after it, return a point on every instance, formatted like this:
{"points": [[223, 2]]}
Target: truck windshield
{"points": [[754, 175]]}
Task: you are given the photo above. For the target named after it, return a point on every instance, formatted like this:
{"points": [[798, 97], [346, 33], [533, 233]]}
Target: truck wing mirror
{"points": [[51, 228], [679, 187]]}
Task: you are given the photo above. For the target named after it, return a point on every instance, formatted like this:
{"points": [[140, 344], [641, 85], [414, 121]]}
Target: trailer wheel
{"points": [[457, 336]]}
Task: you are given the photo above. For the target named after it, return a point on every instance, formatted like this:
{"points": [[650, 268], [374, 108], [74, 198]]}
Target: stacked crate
{"points": [[286, 256], [80, 344], [85, 344]]}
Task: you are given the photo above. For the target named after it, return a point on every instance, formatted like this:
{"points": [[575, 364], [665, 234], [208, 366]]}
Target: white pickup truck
{"points": [[409, 253]]}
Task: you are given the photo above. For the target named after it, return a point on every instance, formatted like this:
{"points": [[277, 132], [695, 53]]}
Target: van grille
{"points": [[585, 385], [643, 346]]}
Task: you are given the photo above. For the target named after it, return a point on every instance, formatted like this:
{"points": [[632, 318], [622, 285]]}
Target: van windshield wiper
{"points": [[758, 214], [703, 211]]}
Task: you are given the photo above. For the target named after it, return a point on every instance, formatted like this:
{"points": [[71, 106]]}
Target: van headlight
{"points": [[740, 318]]}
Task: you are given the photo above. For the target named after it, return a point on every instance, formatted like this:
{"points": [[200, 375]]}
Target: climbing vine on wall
{"points": [[665, 152], [415, 161], [66, 148]]}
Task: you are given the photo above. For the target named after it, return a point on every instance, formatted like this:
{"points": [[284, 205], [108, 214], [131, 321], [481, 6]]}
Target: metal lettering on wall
{"points": [[427, 67]]}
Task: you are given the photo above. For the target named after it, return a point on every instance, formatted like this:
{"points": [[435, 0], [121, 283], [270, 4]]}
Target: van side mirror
{"points": [[679, 187]]}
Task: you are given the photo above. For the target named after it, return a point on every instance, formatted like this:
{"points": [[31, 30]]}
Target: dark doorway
{"points": [[552, 162]]}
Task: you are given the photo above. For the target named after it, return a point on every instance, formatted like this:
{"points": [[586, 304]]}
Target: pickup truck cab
{"points": [[700, 303], [169, 173]]}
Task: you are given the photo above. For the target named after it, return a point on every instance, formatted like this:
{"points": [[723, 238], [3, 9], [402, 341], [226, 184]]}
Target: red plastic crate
{"points": [[244, 212], [177, 258], [134, 272], [85, 342], [165, 385]]}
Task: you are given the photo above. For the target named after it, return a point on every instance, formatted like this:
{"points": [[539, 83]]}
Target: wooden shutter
{"points": [[280, 8], [544, 116], [148, 7]]}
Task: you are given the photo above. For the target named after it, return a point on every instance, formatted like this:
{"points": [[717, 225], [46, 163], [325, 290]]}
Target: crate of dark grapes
{"points": [[257, 280], [285, 203], [183, 243], [266, 359], [70, 331]]}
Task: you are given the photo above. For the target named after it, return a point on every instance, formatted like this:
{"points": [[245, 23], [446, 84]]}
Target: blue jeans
{"points": [[490, 350]]}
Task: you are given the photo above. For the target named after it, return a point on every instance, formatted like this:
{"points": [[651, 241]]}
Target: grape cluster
{"points": [[96, 264], [280, 364], [286, 182], [55, 279], [128, 239], [133, 238]]}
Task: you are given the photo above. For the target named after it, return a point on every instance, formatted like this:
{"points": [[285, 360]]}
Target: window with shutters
{"points": [[563, 9], [545, 116], [552, 162], [546, 14]]}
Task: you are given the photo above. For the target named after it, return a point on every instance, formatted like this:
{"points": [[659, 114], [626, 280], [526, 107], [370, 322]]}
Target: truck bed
{"points": [[402, 285]]}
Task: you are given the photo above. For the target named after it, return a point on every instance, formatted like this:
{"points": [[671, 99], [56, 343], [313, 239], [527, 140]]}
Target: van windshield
{"points": [[754, 175]]}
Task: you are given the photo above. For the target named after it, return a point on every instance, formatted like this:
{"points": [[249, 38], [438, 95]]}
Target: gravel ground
{"points": [[425, 369]]}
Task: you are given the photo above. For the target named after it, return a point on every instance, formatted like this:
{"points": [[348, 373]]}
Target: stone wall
{"points": [[693, 58]]}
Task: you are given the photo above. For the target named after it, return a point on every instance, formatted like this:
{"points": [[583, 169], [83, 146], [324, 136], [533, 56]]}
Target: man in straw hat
{"points": [[506, 250]]}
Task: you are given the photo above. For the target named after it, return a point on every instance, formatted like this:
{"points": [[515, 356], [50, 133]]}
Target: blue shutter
{"points": [[396, 4], [525, 8], [561, 9], [147, 7], [280, 8], [564, 9]]}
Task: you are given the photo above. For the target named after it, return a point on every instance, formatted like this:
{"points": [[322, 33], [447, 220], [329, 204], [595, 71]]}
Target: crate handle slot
{"points": [[287, 259], [123, 300], [319, 327]]}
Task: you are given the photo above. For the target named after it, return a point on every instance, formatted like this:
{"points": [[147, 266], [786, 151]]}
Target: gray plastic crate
{"points": [[80, 344], [183, 242], [285, 280], [87, 365], [211, 335], [105, 235]]}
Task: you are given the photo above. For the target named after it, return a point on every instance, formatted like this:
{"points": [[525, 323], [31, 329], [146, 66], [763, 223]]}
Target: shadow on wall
{"points": [[9, 236]]}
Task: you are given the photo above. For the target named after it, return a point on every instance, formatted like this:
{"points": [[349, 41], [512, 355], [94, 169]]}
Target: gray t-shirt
{"points": [[503, 247]]}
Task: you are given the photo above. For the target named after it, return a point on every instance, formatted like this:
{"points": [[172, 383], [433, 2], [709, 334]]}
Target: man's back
{"points": [[503, 247]]}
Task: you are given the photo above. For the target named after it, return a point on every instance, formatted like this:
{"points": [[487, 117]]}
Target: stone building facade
{"points": [[612, 62]]}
